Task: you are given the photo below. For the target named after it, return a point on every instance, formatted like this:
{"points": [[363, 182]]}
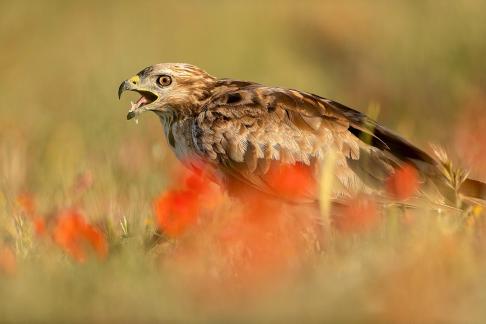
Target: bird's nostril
{"points": [[134, 80]]}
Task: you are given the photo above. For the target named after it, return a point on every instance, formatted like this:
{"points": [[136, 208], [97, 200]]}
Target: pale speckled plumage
{"points": [[242, 128]]}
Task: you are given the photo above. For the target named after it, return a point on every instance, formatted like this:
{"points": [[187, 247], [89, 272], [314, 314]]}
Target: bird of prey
{"points": [[244, 130]]}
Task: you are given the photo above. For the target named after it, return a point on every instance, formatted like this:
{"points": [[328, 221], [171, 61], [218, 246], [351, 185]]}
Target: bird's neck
{"points": [[167, 118]]}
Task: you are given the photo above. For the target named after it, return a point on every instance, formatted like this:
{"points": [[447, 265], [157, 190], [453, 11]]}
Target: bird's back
{"points": [[256, 135]]}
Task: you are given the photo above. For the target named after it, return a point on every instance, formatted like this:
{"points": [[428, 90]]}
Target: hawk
{"points": [[245, 130]]}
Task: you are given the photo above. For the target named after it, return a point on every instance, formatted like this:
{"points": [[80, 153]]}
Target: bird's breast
{"points": [[179, 138]]}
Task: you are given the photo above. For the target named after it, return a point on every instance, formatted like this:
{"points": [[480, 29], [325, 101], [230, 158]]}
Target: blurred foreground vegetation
{"points": [[418, 66]]}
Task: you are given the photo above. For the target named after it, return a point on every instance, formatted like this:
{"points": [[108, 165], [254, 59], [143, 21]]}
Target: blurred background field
{"points": [[418, 66]]}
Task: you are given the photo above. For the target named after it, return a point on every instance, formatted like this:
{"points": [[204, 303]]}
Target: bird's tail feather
{"points": [[473, 189]]}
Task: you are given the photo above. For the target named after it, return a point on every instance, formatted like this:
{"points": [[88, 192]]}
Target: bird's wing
{"points": [[250, 130]]}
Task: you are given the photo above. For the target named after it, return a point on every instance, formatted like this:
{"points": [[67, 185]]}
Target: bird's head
{"points": [[168, 87]]}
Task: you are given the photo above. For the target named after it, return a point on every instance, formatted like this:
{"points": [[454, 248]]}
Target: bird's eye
{"points": [[164, 80]]}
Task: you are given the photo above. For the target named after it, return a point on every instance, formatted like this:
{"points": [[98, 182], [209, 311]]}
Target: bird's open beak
{"points": [[147, 97]]}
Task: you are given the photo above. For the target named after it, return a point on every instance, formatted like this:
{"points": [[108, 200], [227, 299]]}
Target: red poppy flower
{"points": [[356, 215], [178, 209], [77, 237], [292, 180], [403, 183]]}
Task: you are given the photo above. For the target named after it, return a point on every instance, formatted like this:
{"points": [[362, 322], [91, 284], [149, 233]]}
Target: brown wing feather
{"points": [[397, 150], [246, 128]]}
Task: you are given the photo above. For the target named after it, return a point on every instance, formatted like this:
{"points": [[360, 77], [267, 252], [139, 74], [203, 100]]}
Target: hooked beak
{"points": [[147, 97], [125, 85]]}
